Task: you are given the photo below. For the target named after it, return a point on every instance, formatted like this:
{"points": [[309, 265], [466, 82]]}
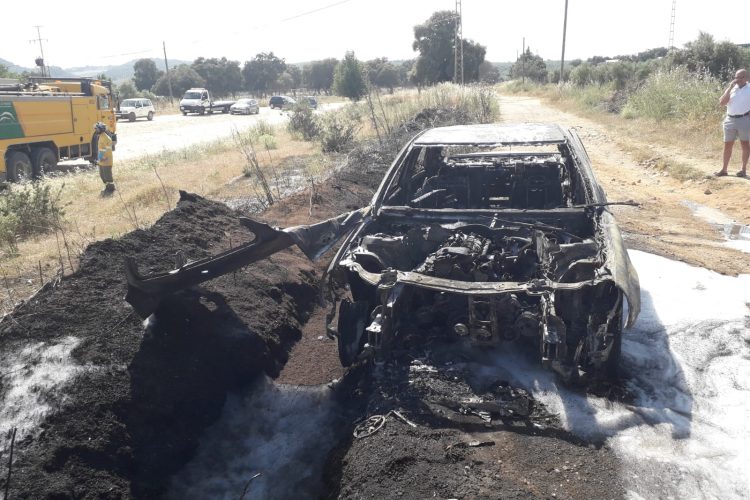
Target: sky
{"points": [[307, 30]]}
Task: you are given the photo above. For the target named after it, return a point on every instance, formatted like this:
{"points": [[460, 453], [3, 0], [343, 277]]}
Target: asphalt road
{"points": [[170, 132]]}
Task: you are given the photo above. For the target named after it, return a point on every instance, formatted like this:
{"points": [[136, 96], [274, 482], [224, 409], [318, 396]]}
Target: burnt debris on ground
{"points": [[141, 398]]}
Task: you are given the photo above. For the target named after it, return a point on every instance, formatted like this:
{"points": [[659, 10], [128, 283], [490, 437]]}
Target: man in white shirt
{"points": [[737, 122]]}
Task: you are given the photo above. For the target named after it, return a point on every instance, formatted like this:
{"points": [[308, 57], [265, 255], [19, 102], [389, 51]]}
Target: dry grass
{"points": [[700, 141], [213, 170], [147, 187]]}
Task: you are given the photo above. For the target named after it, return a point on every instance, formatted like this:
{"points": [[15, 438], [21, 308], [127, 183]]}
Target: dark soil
{"points": [[133, 417]]}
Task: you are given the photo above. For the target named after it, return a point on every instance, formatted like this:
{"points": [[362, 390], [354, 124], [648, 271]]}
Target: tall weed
{"points": [[676, 94]]}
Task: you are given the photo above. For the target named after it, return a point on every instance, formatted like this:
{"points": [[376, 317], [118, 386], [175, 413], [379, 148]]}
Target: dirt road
{"points": [[666, 222]]}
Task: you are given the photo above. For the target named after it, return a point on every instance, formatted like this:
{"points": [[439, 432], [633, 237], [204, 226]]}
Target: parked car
{"points": [[281, 102], [483, 234], [312, 101], [245, 107], [133, 109]]}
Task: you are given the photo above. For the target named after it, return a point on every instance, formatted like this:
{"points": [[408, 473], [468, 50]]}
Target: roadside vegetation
{"points": [[667, 98], [249, 171]]}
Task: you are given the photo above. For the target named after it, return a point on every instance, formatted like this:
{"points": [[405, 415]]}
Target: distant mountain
{"points": [[54, 70], [118, 73], [121, 72]]}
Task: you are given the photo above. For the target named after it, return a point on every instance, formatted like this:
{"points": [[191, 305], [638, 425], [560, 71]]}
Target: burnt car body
{"points": [[485, 233]]}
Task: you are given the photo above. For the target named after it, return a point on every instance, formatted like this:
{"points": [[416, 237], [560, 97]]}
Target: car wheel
{"points": [[18, 166], [202, 111], [43, 160], [131, 117], [184, 113], [150, 116]]}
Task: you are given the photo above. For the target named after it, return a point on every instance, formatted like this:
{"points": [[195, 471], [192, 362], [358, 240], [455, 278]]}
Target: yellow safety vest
{"points": [[104, 150]]}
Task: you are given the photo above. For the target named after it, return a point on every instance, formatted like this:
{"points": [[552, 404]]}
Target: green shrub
{"points": [[27, 210], [303, 123], [262, 127], [267, 141], [676, 94], [337, 134]]}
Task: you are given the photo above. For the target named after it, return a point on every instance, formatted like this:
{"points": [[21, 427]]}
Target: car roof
{"points": [[493, 134]]}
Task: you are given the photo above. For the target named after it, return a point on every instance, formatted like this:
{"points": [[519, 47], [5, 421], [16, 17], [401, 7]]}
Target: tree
{"points": [[349, 78], [6, 73], [530, 66], [183, 77], [222, 76], [285, 82], [295, 72], [145, 74], [261, 74], [126, 90], [473, 58], [387, 77], [318, 75], [435, 41], [488, 73], [704, 54], [382, 73]]}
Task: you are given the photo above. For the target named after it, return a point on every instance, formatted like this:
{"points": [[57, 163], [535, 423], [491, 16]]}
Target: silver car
{"points": [[245, 107]]}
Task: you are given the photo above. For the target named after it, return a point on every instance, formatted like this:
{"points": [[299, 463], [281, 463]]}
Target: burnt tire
{"points": [[18, 166], [150, 116], [43, 160]]}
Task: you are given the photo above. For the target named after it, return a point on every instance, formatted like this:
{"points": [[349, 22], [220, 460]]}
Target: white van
{"points": [[133, 109]]}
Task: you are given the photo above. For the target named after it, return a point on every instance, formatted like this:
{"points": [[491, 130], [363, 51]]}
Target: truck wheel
{"points": [[43, 160], [18, 166], [131, 117], [150, 115]]}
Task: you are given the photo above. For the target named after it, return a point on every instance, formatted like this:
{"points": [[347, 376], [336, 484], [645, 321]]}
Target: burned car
{"points": [[483, 233]]}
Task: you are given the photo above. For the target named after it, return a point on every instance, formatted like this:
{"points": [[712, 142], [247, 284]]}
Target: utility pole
{"points": [[523, 61], [169, 77], [458, 48], [40, 61], [671, 26], [562, 59]]}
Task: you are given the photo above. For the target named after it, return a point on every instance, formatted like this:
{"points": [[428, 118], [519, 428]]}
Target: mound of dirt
{"points": [[141, 396]]}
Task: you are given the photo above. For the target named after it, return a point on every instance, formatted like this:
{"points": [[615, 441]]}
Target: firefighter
{"points": [[101, 144]]}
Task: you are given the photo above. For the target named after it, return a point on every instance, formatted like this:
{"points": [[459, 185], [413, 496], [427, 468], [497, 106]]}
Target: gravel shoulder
{"points": [[664, 223]]}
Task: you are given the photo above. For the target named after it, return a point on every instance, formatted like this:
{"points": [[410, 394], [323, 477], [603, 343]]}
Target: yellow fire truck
{"points": [[50, 119]]}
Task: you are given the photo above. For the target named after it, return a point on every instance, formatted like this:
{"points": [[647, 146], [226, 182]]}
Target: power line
{"points": [[315, 10], [258, 26]]}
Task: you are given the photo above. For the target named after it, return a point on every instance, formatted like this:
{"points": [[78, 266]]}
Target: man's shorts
{"points": [[737, 128]]}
